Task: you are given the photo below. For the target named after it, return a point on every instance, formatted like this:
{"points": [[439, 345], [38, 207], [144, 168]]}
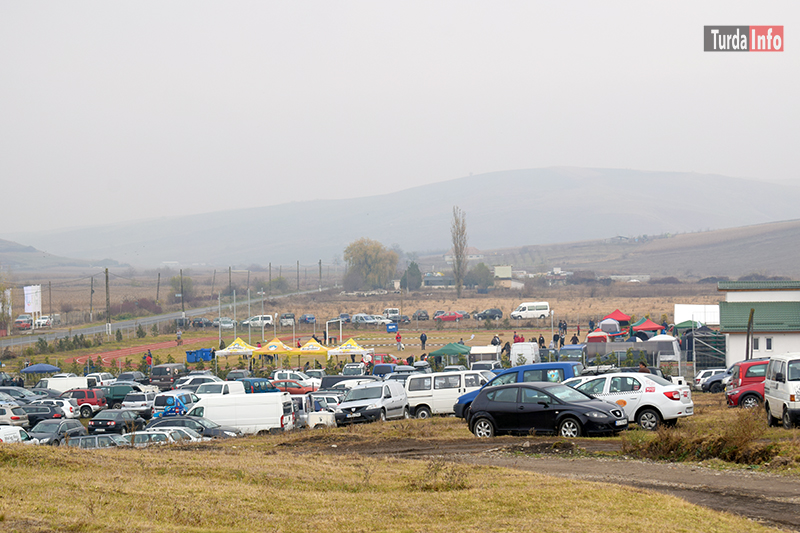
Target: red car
{"points": [[452, 316], [747, 383], [292, 387], [747, 396]]}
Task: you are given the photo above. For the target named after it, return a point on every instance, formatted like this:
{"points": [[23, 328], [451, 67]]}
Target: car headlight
{"points": [[373, 406], [230, 433], [596, 414]]}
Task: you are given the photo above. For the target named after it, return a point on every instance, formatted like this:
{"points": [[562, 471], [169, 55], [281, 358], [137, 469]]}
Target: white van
{"points": [[10, 434], [251, 413], [528, 310], [525, 353], [782, 390], [437, 393], [392, 313], [220, 388], [66, 383]]}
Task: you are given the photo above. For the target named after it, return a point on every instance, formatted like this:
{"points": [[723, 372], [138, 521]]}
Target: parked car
{"points": [[164, 376], [292, 387], [103, 379], [57, 432], [37, 413], [381, 320], [420, 314], [23, 322], [300, 377], [344, 317], [287, 320], [782, 390], [44, 322], [237, 373], [437, 313], [489, 314], [715, 384], [201, 322], [116, 421], [648, 400], [42, 392], [226, 323], [15, 434], [140, 403], [93, 442], [173, 403], [134, 375], [90, 401], [191, 383], [526, 408], [746, 388], [436, 393], [363, 319], [6, 380], [220, 388], [373, 401], [115, 394], [203, 426], [317, 373], [21, 395], [307, 319], [13, 415], [452, 316], [258, 321], [68, 406], [454, 368], [746, 396], [464, 314], [354, 369], [257, 385], [749, 371], [703, 375], [153, 437]]}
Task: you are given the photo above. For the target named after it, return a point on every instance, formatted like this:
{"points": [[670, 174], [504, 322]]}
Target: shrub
{"points": [[41, 345], [118, 336], [140, 332], [154, 330]]}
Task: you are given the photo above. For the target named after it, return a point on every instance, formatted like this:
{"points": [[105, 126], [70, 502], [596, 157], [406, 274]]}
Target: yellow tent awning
{"points": [[312, 347], [274, 346], [237, 347]]}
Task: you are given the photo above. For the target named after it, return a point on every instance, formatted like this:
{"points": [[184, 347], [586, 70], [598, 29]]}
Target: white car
{"points": [[69, 407], [648, 400], [258, 321], [301, 377], [382, 320], [43, 322], [361, 318], [103, 379], [703, 375], [140, 402], [181, 433]]}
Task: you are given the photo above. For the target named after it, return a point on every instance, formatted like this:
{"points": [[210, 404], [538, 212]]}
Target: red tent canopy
{"points": [[648, 325], [619, 316], [597, 336]]}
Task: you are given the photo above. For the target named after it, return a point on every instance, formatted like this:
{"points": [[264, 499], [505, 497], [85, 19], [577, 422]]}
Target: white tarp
{"points": [[707, 314]]}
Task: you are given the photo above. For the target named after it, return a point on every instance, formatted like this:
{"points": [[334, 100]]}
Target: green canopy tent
{"points": [[450, 352]]}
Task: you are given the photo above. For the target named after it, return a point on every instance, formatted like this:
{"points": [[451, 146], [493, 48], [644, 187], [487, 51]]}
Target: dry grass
{"points": [[252, 485]]}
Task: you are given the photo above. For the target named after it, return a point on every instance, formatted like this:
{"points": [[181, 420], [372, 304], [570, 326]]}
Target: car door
{"points": [[536, 411], [446, 392], [626, 391], [502, 405]]}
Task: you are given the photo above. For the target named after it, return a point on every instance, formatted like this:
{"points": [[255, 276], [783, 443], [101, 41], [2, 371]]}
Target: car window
{"points": [[419, 384], [553, 375], [793, 371], [447, 382], [386, 392], [79, 394], [624, 384], [503, 379], [105, 441], [594, 386], [503, 395], [471, 380], [756, 371], [534, 396]]}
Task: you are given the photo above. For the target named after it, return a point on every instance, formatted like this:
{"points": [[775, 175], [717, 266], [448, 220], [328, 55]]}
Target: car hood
{"points": [[344, 406], [220, 430]]}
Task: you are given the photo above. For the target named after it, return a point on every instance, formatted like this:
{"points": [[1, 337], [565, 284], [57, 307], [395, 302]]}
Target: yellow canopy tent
{"points": [[350, 347], [312, 347], [237, 347], [275, 346]]}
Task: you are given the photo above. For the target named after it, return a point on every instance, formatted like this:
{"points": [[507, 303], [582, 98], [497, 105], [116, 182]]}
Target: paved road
{"points": [[146, 322]]}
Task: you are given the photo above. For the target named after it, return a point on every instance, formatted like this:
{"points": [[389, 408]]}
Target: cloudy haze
{"points": [[117, 111]]}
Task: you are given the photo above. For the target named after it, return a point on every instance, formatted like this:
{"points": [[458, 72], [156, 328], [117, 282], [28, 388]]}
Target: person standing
{"points": [[422, 339], [574, 340], [541, 341], [399, 339], [178, 337]]}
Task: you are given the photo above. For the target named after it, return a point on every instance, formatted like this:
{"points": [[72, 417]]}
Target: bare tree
{"points": [[458, 232]]}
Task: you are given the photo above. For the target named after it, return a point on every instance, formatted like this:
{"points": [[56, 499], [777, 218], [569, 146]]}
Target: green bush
{"points": [[41, 345], [154, 330], [118, 336], [140, 332]]}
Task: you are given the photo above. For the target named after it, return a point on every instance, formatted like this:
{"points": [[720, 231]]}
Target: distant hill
{"points": [[504, 209], [15, 256], [770, 249]]}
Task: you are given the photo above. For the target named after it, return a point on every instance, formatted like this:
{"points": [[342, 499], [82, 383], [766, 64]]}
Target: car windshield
{"points": [[352, 371], [659, 380], [568, 394], [134, 398], [209, 388], [6, 398], [206, 423], [106, 415], [368, 393], [46, 426]]}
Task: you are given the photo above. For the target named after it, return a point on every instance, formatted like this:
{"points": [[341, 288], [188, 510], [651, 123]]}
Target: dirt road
{"points": [[761, 496]]}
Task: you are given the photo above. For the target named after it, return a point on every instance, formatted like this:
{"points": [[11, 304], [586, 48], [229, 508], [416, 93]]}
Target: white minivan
{"points": [[437, 393], [782, 390], [528, 310]]}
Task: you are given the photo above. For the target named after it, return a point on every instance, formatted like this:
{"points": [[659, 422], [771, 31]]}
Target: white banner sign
{"points": [[33, 299]]}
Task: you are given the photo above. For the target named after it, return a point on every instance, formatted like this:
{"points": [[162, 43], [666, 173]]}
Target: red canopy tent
{"points": [[597, 336], [619, 316], [648, 325]]}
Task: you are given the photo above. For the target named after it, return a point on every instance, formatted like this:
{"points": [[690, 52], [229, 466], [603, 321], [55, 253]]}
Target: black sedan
{"points": [[115, 421], [57, 432], [489, 314], [201, 322], [204, 426], [546, 408]]}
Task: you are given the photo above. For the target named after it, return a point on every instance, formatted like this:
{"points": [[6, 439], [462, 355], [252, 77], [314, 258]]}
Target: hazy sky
{"points": [[115, 111]]}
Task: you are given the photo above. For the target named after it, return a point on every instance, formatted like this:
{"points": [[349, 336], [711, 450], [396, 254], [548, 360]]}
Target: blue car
{"points": [[307, 319], [547, 372]]}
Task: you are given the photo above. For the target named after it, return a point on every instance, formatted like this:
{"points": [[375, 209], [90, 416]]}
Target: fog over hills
{"points": [[504, 209]]}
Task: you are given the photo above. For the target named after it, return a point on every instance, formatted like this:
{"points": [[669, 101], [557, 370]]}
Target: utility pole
{"points": [[269, 285], [158, 287], [183, 309], [108, 307], [50, 297], [320, 275], [91, 301], [298, 276], [230, 282]]}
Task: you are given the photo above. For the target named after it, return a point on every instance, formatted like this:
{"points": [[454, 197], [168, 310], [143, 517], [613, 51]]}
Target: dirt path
{"points": [[108, 357], [761, 496]]}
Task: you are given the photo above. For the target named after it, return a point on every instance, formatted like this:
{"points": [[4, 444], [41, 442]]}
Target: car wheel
{"points": [[483, 428], [383, 415], [86, 411], [123, 431], [716, 387], [569, 428], [787, 422], [423, 412], [771, 420], [648, 419], [406, 413], [117, 405], [55, 443], [749, 402]]}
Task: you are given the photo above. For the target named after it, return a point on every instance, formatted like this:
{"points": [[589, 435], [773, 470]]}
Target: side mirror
{"points": [[483, 382], [779, 377]]}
